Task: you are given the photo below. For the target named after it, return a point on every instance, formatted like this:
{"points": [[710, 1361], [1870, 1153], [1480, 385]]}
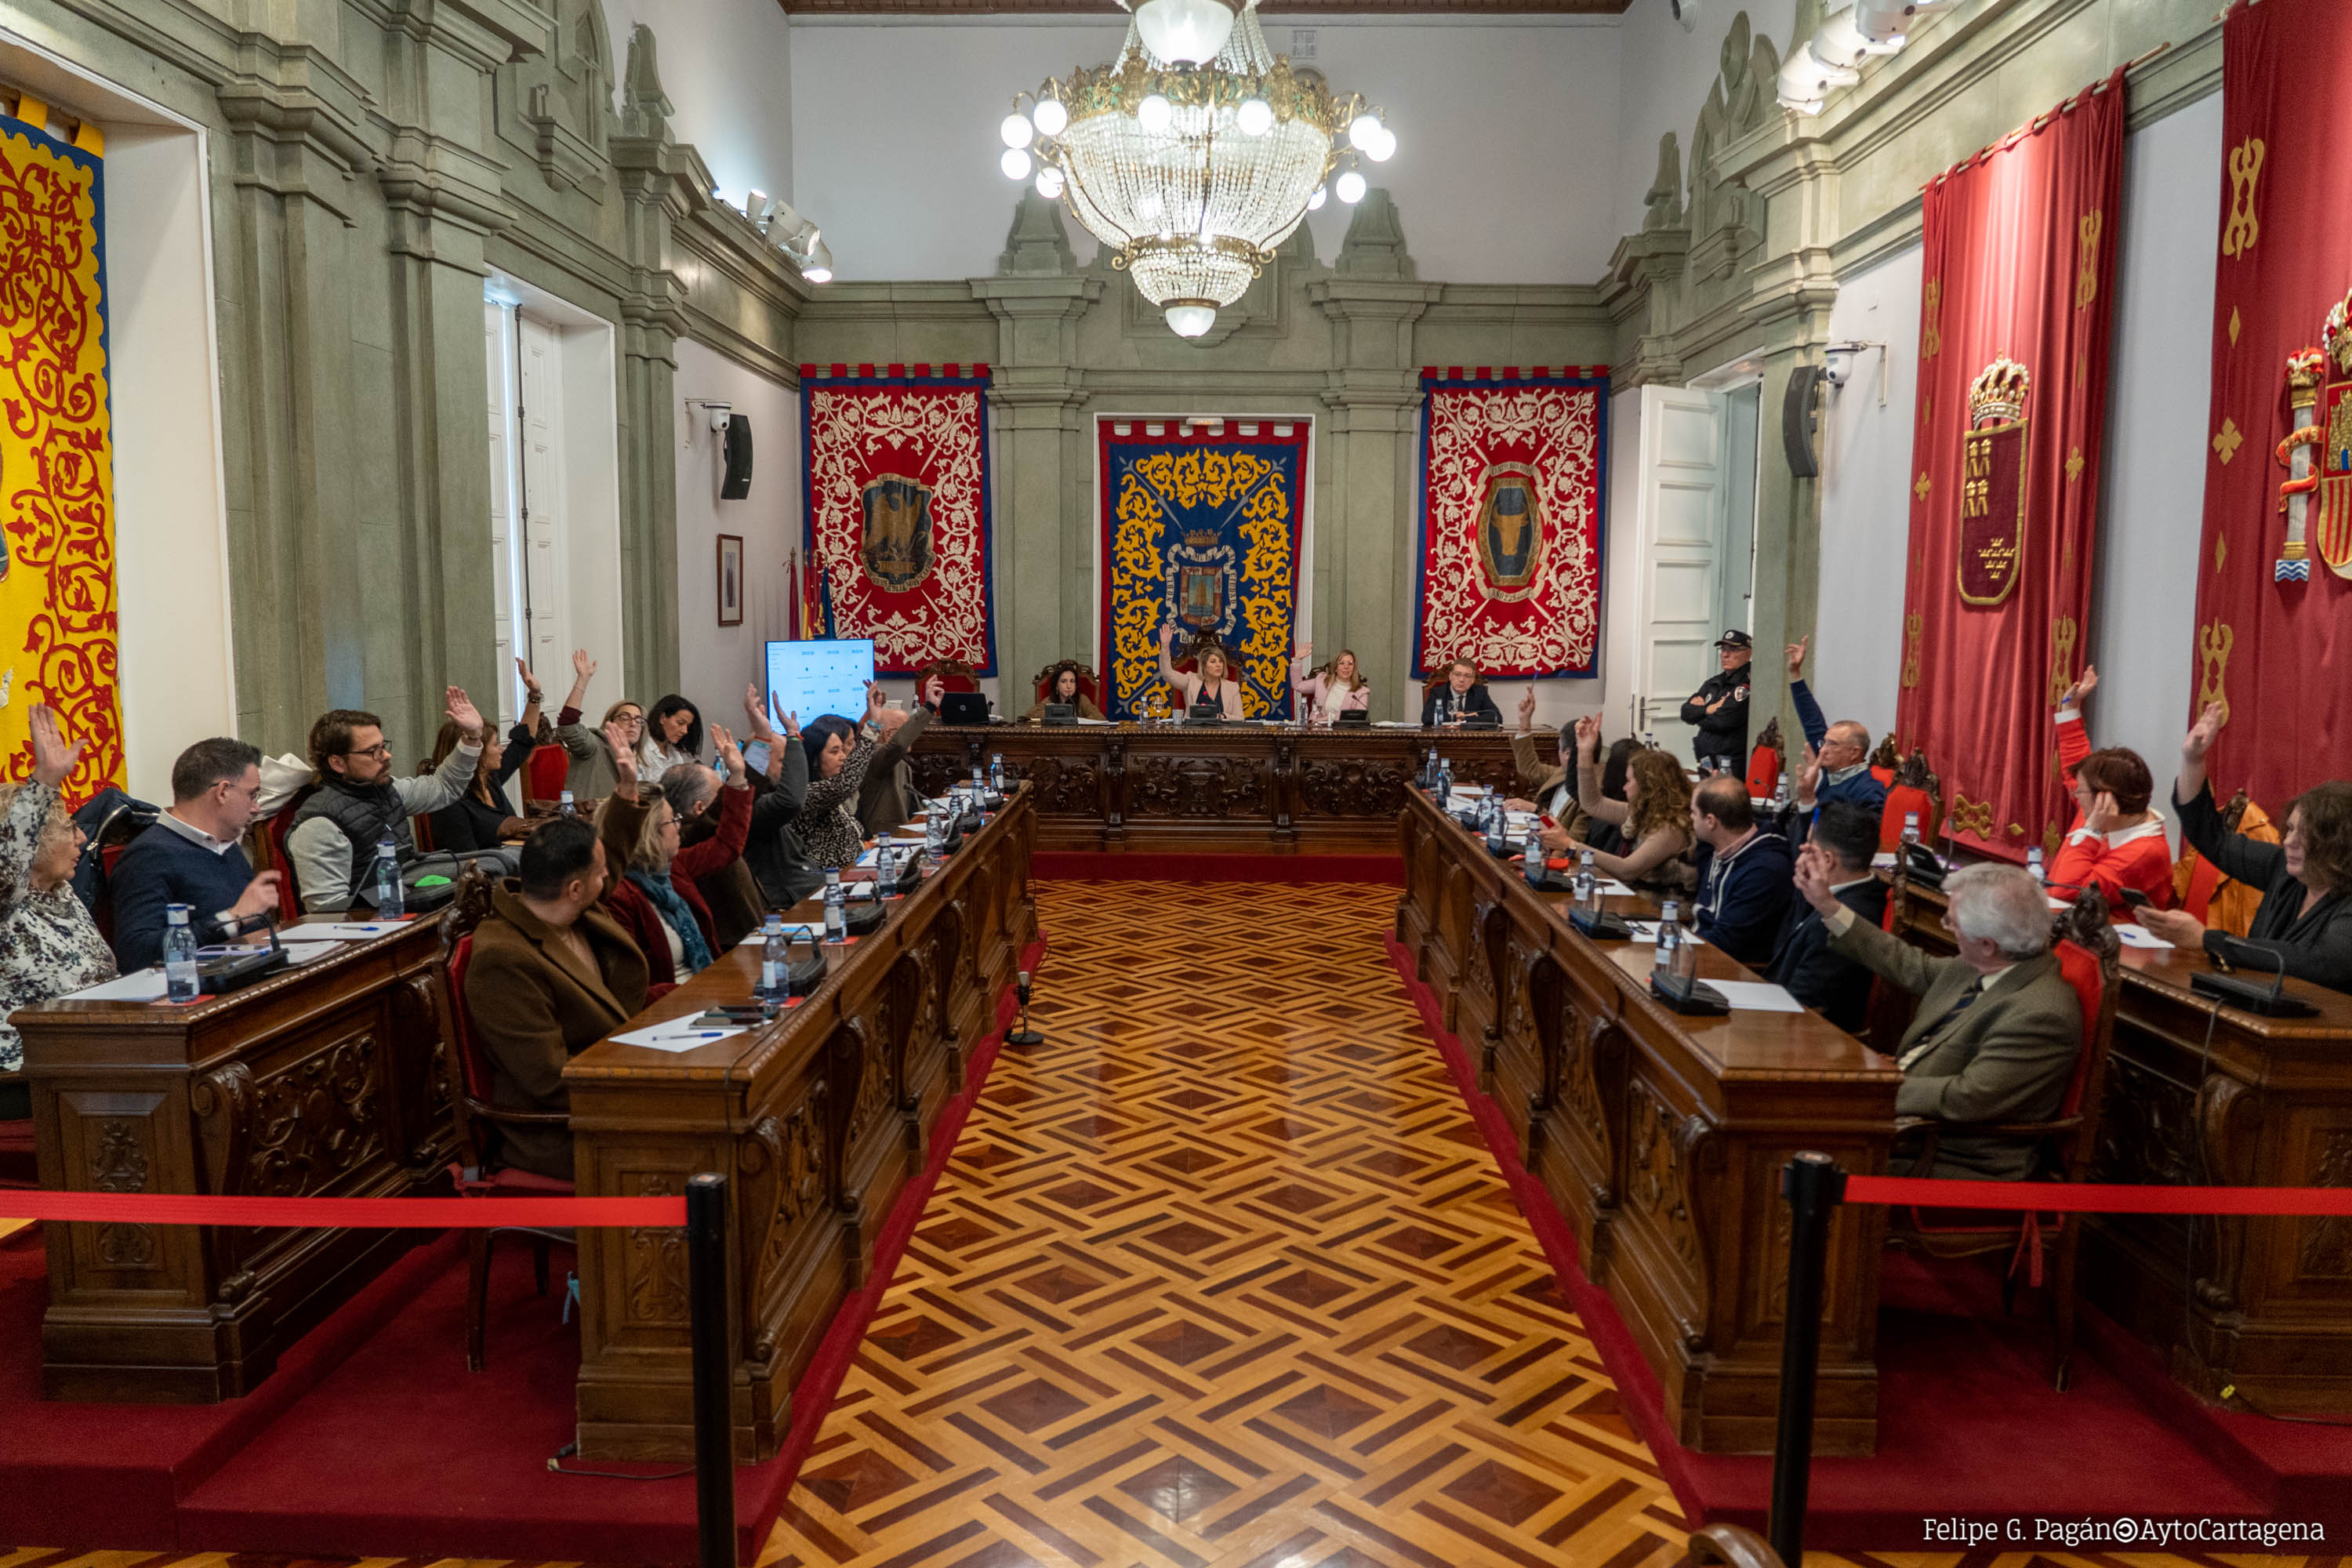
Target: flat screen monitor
{"points": [[811, 678]]}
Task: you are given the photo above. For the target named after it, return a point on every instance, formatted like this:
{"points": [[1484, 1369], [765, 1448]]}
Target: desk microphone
{"points": [[1025, 1036], [2271, 1001]]}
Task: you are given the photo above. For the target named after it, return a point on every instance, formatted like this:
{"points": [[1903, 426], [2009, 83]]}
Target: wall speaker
{"points": [[1797, 421], [738, 482]]}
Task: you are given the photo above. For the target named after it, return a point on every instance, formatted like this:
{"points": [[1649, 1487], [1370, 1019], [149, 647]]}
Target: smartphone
{"points": [[2135, 898]]}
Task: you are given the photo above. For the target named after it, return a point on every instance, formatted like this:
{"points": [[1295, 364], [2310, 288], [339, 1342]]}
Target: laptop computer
{"points": [[963, 708]]}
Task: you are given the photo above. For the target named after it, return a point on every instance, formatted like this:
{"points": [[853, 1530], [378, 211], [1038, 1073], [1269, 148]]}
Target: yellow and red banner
{"points": [[57, 451]]}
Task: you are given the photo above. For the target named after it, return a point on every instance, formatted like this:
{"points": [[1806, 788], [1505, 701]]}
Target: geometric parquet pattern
{"points": [[1224, 1274], [1220, 1275]]}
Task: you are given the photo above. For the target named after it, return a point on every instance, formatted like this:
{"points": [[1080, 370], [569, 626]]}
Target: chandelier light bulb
{"points": [[1190, 318], [1350, 187], [1052, 118], [1364, 130], [1383, 146], [1016, 164], [1049, 183], [1185, 32], [1016, 131], [1155, 114], [1315, 202], [1256, 117]]}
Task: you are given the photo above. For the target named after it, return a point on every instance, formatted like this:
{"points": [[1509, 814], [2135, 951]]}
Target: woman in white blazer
{"points": [[1214, 683]]}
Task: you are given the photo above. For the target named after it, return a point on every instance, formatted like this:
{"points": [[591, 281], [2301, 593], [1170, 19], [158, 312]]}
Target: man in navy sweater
{"points": [[192, 855], [1745, 877], [1837, 756]]}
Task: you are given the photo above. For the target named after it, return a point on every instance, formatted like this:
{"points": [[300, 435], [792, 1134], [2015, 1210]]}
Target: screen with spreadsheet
{"points": [[811, 678]]}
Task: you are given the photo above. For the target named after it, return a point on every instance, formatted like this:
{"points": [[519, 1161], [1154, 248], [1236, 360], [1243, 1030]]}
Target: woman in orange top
{"points": [[2116, 841]]}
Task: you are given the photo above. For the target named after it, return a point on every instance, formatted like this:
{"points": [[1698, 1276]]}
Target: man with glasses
{"points": [[358, 802], [192, 855], [1836, 770]]}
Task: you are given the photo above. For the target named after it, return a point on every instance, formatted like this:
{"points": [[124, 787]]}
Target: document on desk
{"points": [[1099, 723], [139, 985], [1394, 724], [1647, 930], [796, 929], [338, 931], [1757, 996], [673, 1036], [2140, 936], [310, 951]]}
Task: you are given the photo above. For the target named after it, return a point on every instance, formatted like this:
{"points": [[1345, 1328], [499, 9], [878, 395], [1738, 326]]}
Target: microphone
{"points": [[2271, 1001], [1025, 1036]]}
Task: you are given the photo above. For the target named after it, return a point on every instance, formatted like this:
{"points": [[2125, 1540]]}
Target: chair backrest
{"points": [[549, 766], [467, 1070], [1901, 801], [1089, 688], [1764, 762], [420, 829], [2090, 956], [289, 899]]}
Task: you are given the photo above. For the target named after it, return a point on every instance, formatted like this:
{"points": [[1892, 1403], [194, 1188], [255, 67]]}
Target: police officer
{"points": [[1719, 709]]}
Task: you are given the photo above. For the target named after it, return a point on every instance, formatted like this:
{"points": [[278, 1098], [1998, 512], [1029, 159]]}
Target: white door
{"points": [[1678, 544], [498, 354], [540, 384]]}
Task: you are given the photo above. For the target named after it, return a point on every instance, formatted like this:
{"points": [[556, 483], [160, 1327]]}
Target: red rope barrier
{"points": [[2046, 1197], [370, 1214]]}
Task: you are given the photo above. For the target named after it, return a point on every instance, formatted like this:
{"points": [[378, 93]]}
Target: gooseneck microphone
{"points": [[1025, 1036]]}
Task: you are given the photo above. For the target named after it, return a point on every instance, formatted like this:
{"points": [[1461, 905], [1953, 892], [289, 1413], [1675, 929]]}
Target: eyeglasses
{"points": [[381, 749]]}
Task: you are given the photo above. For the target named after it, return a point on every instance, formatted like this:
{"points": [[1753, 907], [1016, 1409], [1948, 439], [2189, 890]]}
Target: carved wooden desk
{"points": [[1270, 789], [2199, 1094], [820, 1119], [1661, 1138], [319, 1081]]}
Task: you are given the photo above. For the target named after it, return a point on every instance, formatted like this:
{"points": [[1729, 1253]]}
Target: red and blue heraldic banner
{"points": [[1509, 570], [1200, 525], [2275, 575], [895, 469]]}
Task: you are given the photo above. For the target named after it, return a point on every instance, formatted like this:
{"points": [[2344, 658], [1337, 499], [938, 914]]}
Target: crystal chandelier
{"points": [[1195, 154]]}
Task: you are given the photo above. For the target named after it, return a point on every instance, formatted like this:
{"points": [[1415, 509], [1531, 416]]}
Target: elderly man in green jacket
{"points": [[1998, 1029]]}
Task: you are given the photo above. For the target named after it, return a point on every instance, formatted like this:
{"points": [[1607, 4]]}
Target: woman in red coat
{"points": [[2116, 841]]}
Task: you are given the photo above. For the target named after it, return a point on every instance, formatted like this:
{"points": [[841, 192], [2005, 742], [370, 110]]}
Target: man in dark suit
{"points": [[1743, 871], [1829, 983], [1999, 1028], [1462, 700]]}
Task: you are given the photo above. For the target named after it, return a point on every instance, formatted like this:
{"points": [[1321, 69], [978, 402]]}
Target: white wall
{"points": [[716, 661], [2144, 602], [1506, 137], [1662, 81], [1865, 495], [2152, 480], [727, 68]]}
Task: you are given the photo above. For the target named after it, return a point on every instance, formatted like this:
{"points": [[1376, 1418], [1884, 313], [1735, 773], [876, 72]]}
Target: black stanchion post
{"points": [[1025, 1036], [1814, 1187], [714, 1428]]}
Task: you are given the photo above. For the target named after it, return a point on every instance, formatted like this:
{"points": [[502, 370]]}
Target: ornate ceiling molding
{"points": [[1288, 8]]}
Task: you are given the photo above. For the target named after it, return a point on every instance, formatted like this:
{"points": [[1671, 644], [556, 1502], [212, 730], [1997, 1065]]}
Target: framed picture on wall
{"points": [[731, 579]]}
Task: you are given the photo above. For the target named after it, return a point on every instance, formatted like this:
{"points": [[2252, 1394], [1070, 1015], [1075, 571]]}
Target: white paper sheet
{"points": [[1394, 724], [2140, 936], [139, 985], [308, 952], [1647, 930], [1883, 859], [798, 930], [673, 1036], [1104, 723], [338, 931], [1757, 996]]}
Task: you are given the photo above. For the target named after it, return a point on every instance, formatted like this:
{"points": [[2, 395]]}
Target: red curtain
{"points": [[2015, 311], [2271, 638]]}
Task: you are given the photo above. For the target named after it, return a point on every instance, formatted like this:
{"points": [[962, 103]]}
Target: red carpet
{"points": [[1116, 866], [373, 1438], [1969, 1425]]}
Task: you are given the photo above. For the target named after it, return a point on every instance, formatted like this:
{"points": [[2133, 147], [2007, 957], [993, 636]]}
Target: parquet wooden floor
{"points": [[1221, 1275]]}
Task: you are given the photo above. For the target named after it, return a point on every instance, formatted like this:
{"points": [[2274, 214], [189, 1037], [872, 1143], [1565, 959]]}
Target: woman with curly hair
{"points": [[1654, 819]]}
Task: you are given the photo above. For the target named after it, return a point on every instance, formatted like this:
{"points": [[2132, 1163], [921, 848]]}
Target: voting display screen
{"points": [[810, 679]]}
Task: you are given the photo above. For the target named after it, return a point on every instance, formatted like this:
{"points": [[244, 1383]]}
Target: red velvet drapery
{"points": [[2015, 312], [2276, 647]]}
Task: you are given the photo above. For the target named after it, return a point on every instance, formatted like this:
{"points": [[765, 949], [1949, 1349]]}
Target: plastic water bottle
{"points": [[1781, 792], [387, 877], [775, 956], [1535, 859], [1494, 825], [1670, 936], [1444, 784], [885, 874], [996, 771], [935, 831], [2033, 867], [569, 807], [1910, 830], [180, 982], [1587, 884], [836, 908], [978, 786]]}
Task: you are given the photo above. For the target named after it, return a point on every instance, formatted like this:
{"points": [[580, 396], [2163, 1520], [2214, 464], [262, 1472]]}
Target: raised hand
{"points": [[625, 757], [2204, 732], [1588, 738], [1813, 879], [876, 699], [469, 717], [2084, 684], [730, 755], [1797, 655], [1528, 708], [530, 681], [582, 665], [790, 721], [1167, 633], [53, 758], [1809, 777]]}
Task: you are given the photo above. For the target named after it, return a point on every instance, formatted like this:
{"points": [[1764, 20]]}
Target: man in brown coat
{"points": [[552, 973]]}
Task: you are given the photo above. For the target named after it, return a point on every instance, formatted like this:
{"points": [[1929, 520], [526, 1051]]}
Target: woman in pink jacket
{"points": [[1326, 693]]}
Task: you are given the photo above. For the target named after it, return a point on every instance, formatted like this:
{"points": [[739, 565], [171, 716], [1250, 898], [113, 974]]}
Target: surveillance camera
{"points": [[1837, 367], [716, 415]]}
